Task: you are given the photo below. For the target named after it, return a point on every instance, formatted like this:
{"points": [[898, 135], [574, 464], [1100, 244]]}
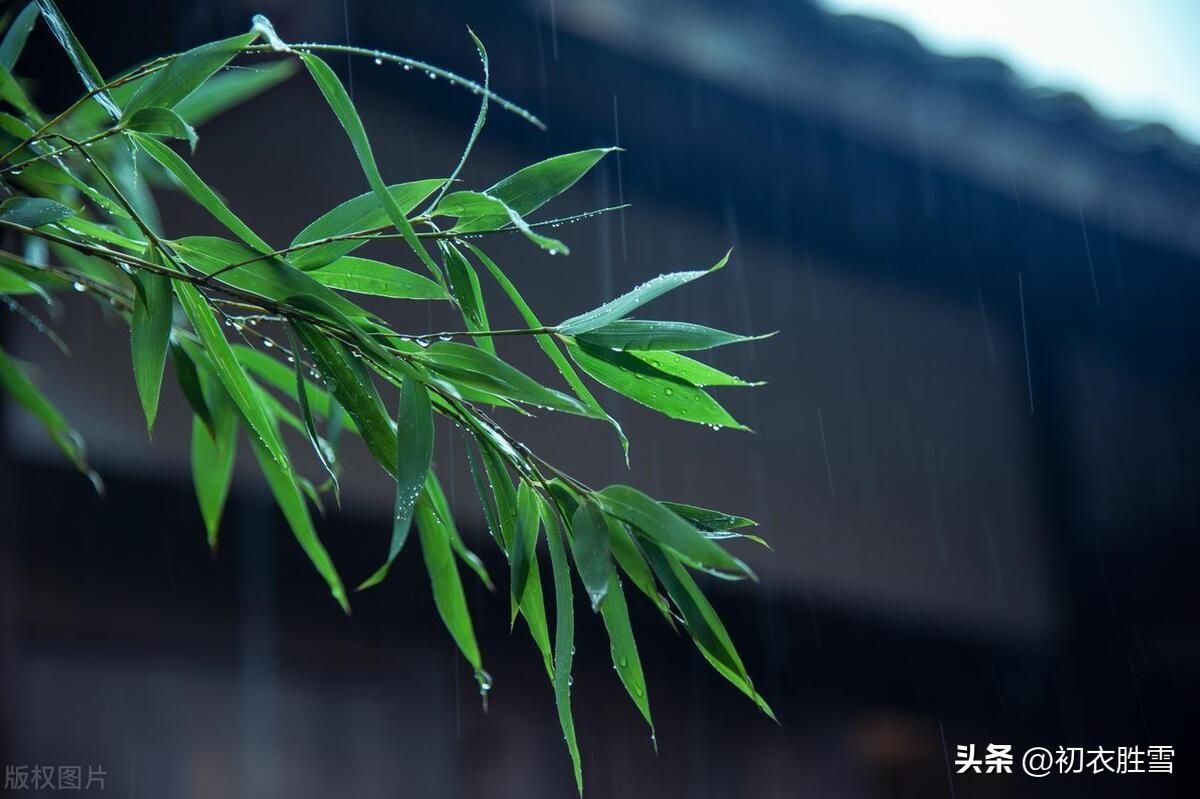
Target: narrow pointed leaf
{"points": [[624, 650], [343, 108], [353, 388], [589, 544], [243, 393], [524, 546], [635, 378], [437, 498], [160, 121], [414, 449], [447, 585], [633, 299], [364, 212], [79, 58], [564, 636], [26, 394], [703, 624], [364, 276], [149, 333], [322, 450], [213, 454], [667, 528], [477, 212], [464, 286], [188, 376], [16, 35], [482, 370], [282, 483], [642, 334], [185, 73], [681, 367], [33, 211]]}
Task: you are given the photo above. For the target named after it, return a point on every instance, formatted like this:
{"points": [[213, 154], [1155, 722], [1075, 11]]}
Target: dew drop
{"points": [[378, 62], [78, 286]]}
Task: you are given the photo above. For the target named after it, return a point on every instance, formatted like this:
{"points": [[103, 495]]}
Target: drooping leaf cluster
{"points": [[265, 337]]}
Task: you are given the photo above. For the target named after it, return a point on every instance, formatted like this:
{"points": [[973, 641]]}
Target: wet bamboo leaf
{"points": [[482, 370], [283, 485], [361, 213], [703, 624], [161, 121], [79, 58], [629, 557], [14, 38], [271, 278], [353, 388], [414, 449], [530, 188], [149, 332], [667, 528], [437, 498], [343, 108], [548, 345], [623, 647], [322, 450], [27, 395], [214, 450], [33, 211], [364, 276], [188, 376], [589, 544], [185, 74], [633, 299], [447, 585], [524, 545], [635, 378], [280, 377], [640, 334], [711, 520], [480, 212], [230, 372], [464, 286], [564, 635], [198, 190], [689, 370]]}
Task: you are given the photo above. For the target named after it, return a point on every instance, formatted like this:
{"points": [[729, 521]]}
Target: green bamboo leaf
{"points": [[624, 650], [13, 93], [709, 520], [589, 545], [703, 624], [474, 367], [230, 372], [478, 212], [633, 299], [79, 58], [230, 88], [548, 345], [437, 497], [629, 557], [642, 334], [689, 370], [27, 395], [447, 586], [354, 390], [282, 483], [343, 108], [635, 378], [364, 276], [14, 38], [214, 450], [33, 211], [198, 190], [564, 636], [187, 374], [185, 74], [479, 118], [524, 545], [467, 294], [530, 188], [161, 121], [280, 377], [272, 278], [322, 449], [414, 450], [667, 528], [362, 213], [149, 333]]}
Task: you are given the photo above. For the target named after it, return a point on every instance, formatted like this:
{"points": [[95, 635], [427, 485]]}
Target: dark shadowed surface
{"points": [[976, 456]]}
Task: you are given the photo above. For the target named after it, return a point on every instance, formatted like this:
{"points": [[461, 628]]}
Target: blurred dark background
{"points": [[976, 461]]}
